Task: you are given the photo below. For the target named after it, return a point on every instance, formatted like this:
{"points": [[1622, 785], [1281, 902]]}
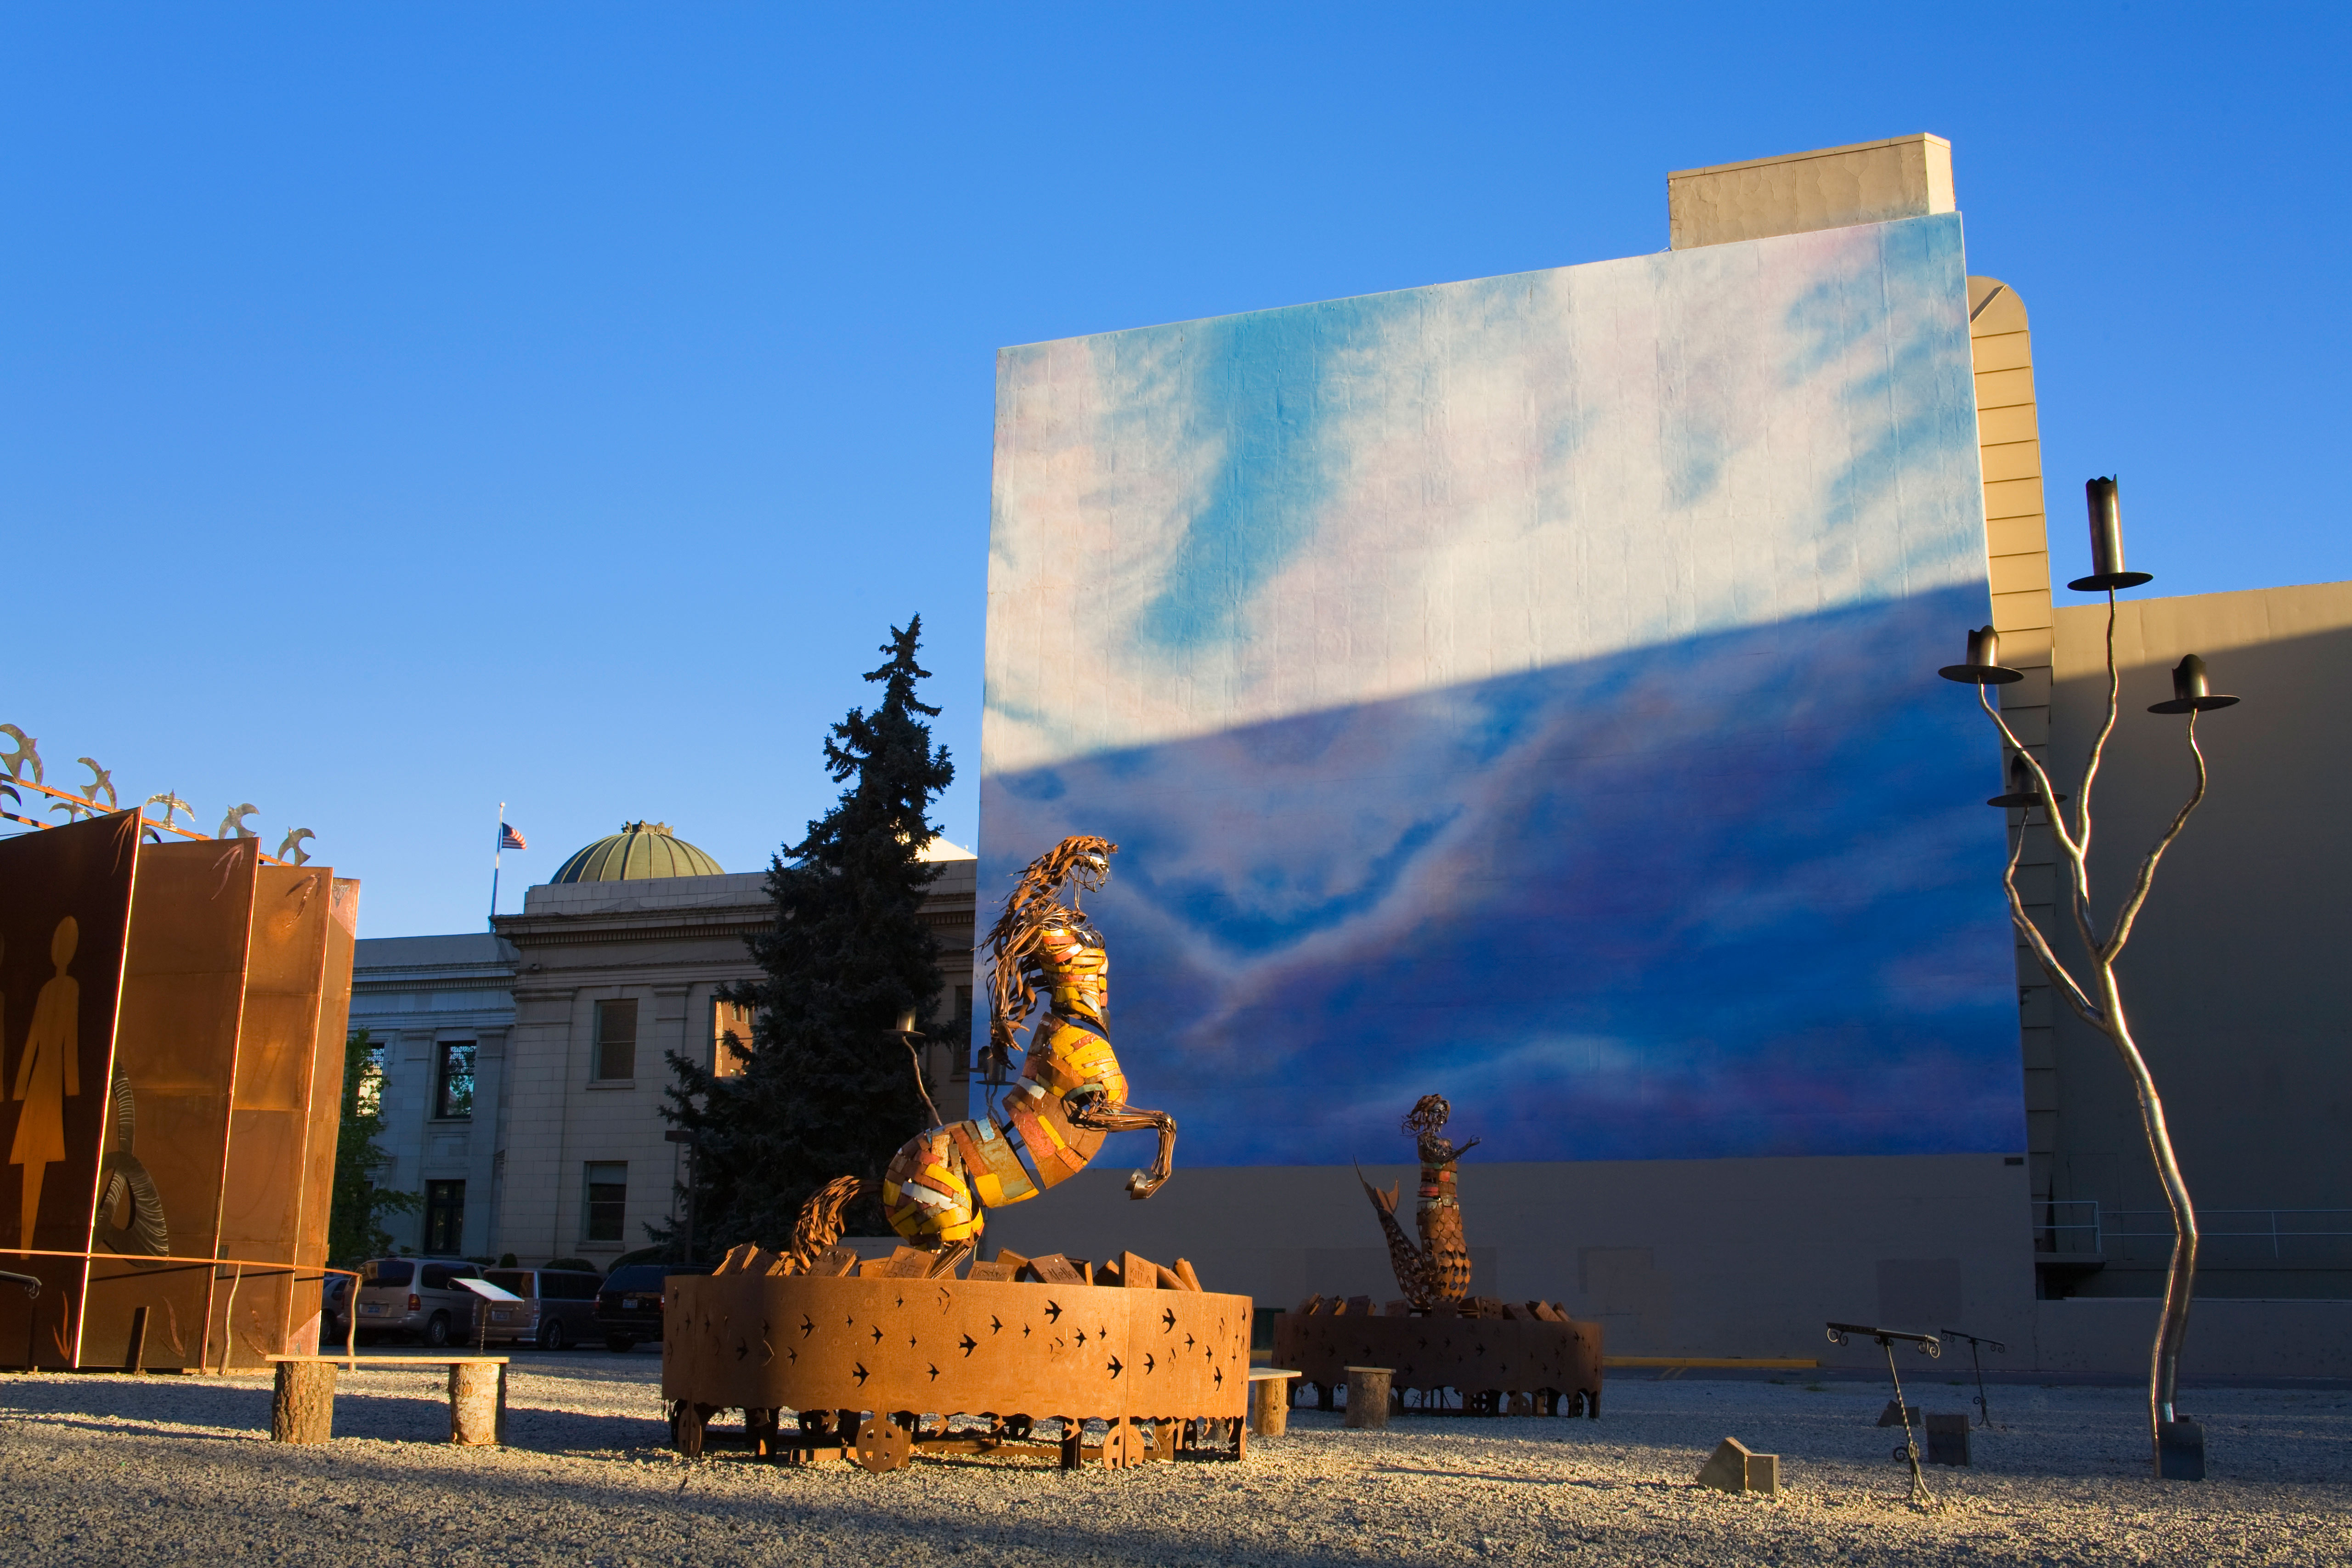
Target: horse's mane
{"points": [[1034, 904]]}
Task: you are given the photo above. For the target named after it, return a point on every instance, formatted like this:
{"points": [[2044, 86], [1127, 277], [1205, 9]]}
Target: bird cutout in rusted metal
{"points": [[233, 825], [1436, 1274], [290, 849], [101, 781], [1071, 1095], [25, 753]]}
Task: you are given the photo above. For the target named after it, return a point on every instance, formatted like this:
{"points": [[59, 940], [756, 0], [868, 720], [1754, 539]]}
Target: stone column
{"points": [[482, 1141]]}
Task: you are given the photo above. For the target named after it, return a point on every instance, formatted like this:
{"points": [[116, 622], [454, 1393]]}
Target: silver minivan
{"points": [[417, 1296], [558, 1307]]}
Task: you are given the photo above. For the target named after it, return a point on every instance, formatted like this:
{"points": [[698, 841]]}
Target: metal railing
{"points": [[2068, 1227], [2321, 1237]]}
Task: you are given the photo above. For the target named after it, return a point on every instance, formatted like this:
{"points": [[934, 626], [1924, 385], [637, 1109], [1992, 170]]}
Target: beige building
{"points": [[525, 1069], [2057, 1249]]}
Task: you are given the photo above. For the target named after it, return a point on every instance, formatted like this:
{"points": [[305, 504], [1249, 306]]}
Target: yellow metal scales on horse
{"points": [[1070, 1095]]}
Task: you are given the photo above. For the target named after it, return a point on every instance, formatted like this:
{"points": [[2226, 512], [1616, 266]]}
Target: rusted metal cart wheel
{"points": [[883, 1445]]}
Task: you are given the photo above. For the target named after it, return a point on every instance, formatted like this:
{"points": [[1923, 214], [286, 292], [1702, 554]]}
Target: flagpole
{"points": [[498, 850]]}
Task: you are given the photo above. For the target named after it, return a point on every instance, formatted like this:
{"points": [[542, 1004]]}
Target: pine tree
{"points": [[355, 1218], [826, 1091]]}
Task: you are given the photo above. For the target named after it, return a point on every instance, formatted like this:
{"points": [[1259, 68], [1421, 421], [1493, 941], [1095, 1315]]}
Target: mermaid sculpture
{"points": [[1437, 1273], [1070, 1095]]}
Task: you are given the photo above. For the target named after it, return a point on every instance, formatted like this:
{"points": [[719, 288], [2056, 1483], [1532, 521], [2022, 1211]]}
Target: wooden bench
{"points": [[302, 1410]]}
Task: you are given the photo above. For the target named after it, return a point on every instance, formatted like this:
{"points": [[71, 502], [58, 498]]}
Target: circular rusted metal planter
{"points": [[872, 1368], [1554, 1361]]}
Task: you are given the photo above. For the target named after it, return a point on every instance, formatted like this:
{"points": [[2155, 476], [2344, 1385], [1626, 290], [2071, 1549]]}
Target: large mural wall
{"points": [[1523, 690]]}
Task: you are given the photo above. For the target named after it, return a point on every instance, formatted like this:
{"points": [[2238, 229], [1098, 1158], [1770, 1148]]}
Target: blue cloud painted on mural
{"points": [[1718, 896], [1259, 380]]}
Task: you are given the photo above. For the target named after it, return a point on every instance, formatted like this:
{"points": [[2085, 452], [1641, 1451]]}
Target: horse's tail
{"points": [[1411, 1268], [819, 1226]]}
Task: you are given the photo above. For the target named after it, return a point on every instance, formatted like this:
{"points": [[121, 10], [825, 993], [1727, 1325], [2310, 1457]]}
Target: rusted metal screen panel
{"points": [[167, 1138], [316, 1200], [269, 1111], [63, 924]]}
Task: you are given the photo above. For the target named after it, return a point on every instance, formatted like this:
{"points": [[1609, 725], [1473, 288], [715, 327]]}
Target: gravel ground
{"points": [[119, 1469]]}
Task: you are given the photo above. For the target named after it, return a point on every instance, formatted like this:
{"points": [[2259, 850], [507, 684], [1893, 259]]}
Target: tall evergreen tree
{"points": [[355, 1218], [826, 1091]]}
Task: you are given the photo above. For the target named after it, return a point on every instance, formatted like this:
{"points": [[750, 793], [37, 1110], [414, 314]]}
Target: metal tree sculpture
{"points": [[2099, 1002]]}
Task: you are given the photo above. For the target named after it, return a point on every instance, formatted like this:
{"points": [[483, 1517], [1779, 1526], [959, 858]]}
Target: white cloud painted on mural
{"points": [[1501, 463]]}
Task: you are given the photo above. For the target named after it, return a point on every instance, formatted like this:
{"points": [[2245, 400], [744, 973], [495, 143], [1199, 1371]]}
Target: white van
{"points": [[416, 1296]]}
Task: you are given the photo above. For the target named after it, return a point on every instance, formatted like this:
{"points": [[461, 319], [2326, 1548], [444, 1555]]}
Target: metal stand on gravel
{"points": [[1929, 1346], [1977, 1362]]}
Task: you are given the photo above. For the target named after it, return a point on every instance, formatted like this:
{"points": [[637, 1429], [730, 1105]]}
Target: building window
{"points": [[730, 1037], [607, 1200], [445, 1217], [616, 1039], [452, 1078], [371, 1085]]}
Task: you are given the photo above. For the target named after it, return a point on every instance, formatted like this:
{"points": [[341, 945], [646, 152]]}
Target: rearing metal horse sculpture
{"points": [[1070, 1096]]}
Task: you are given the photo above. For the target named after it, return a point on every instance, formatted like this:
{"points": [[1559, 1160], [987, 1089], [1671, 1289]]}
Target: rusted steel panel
{"points": [[167, 1134], [269, 1110], [950, 1346], [63, 928]]}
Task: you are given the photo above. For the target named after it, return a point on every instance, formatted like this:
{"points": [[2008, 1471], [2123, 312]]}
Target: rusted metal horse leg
{"points": [[1105, 1118]]}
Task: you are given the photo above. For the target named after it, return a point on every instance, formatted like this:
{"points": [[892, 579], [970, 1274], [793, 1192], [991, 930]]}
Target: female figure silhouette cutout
{"points": [[47, 1072]]}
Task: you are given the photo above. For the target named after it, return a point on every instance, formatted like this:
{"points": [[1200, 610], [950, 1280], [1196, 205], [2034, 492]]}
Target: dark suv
{"points": [[629, 1305]]}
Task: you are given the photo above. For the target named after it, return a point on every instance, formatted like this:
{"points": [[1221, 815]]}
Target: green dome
{"points": [[641, 849]]}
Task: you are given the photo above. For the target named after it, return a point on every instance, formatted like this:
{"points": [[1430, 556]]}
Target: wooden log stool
{"points": [[302, 1410], [1368, 1396], [1270, 1401], [478, 1403]]}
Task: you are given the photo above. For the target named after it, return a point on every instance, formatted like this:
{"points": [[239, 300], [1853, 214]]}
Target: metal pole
{"points": [[498, 853], [1910, 1449]]}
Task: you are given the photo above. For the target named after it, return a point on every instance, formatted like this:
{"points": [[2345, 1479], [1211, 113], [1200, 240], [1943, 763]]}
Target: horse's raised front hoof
{"points": [[1142, 1185]]}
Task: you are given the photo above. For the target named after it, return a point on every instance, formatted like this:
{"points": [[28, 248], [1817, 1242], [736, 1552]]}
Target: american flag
{"points": [[508, 838]]}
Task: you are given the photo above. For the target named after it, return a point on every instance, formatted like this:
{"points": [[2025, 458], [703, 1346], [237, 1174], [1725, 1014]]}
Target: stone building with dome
{"points": [[524, 1069]]}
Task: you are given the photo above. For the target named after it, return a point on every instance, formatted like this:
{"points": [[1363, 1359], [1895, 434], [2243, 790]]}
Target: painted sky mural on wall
{"points": [[1523, 690]]}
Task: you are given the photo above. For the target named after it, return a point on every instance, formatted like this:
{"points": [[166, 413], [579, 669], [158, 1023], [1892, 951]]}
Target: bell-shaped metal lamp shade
{"points": [[2192, 692], [2106, 543], [2021, 791], [1984, 666]]}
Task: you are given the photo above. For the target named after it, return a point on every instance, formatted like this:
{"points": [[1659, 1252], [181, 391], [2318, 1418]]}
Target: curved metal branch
{"points": [[2076, 860], [2065, 984], [2052, 967], [2130, 912], [2099, 744]]}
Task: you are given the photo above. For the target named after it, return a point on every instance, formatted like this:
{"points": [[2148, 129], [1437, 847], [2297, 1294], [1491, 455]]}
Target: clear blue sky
{"points": [[405, 408]]}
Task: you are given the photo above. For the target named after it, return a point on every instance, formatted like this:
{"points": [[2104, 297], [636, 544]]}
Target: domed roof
{"points": [[640, 850]]}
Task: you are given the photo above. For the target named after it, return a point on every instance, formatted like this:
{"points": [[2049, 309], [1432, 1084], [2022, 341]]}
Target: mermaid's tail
{"points": [[1411, 1268]]}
